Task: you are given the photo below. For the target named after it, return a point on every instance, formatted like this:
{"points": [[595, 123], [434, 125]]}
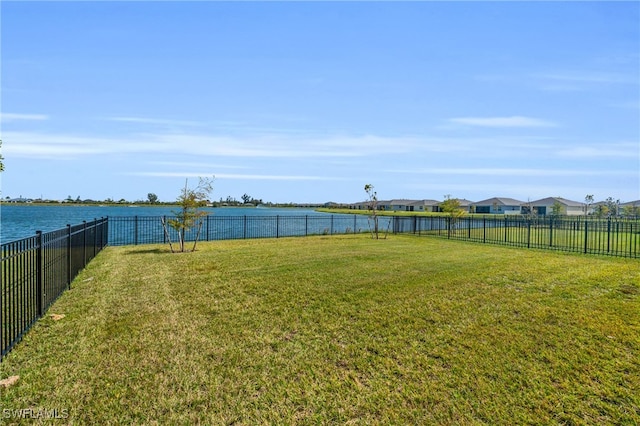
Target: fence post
{"points": [[164, 234], [505, 229], [306, 225], [135, 231], [551, 232], [68, 256], [39, 278], [608, 234], [631, 237], [585, 235], [99, 233], [277, 226], [331, 225], [84, 243], [484, 229], [95, 236], [528, 234]]}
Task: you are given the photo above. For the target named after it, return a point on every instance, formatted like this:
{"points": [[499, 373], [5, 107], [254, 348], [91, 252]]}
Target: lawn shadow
{"points": [[148, 251]]}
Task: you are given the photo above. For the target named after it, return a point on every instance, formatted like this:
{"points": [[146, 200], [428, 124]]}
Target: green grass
{"points": [[598, 240], [338, 330], [378, 212]]}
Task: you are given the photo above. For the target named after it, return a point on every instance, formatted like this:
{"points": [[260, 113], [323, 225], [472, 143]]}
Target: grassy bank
{"points": [[378, 212], [340, 329]]}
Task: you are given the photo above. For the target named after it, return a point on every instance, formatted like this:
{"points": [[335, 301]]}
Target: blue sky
{"points": [[308, 102]]}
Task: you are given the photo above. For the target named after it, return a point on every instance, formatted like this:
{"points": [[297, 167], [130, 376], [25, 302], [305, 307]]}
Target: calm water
{"points": [[20, 221]]}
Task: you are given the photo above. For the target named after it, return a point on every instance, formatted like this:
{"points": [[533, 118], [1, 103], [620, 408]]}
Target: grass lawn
{"points": [[338, 330]]}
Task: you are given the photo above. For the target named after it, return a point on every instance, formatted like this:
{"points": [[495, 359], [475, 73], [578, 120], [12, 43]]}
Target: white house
{"points": [[630, 208], [464, 205], [402, 205], [425, 206], [365, 205], [566, 207], [498, 205]]}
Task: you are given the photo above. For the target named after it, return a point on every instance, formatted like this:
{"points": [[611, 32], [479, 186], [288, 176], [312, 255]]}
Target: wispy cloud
{"points": [[7, 117], [518, 190], [195, 165], [621, 150], [591, 77], [571, 81], [488, 171], [55, 146], [513, 121], [232, 176], [155, 121], [562, 81], [41, 145]]}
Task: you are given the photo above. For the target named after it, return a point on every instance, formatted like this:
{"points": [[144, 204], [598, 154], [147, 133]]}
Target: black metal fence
{"points": [[35, 271], [126, 230], [612, 236]]}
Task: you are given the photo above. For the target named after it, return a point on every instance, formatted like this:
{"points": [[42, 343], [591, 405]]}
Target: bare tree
{"points": [[530, 212], [588, 201], [613, 206], [189, 216], [373, 208]]}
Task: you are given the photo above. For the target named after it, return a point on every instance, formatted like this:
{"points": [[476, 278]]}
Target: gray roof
{"points": [[425, 203], [502, 201], [403, 202], [463, 202], [564, 201]]}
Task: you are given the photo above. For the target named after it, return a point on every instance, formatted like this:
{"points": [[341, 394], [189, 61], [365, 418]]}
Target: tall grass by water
{"points": [[340, 329]]}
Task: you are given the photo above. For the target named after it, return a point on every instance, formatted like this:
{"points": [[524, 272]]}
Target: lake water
{"points": [[23, 220]]}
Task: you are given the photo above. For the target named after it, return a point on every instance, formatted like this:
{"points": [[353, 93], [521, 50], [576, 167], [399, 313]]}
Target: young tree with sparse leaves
{"points": [[588, 201], [373, 208], [613, 206], [451, 206], [189, 216], [631, 211]]}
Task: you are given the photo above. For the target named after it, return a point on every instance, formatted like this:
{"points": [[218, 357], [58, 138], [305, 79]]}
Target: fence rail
{"points": [[36, 270], [133, 230], [612, 236]]}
